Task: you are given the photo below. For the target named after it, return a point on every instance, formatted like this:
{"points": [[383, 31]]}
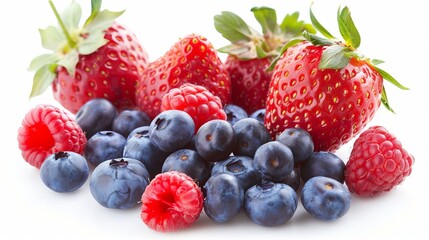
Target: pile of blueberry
{"points": [[233, 161]]}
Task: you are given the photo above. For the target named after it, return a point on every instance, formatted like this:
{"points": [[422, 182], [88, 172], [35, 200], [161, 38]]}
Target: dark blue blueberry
{"points": [[299, 141], [224, 197], [274, 161], [234, 113], [215, 140], [270, 204], [325, 164], [119, 183], [64, 171], [189, 162], [293, 179], [140, 147], [171, 130], [128, 120], [96, 115], [258, 115], [251, 134], [241, 167], [104, 145], [325, 198]]}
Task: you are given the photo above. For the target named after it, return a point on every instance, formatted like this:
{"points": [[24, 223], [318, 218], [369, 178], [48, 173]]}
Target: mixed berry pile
{"points": [[189, 134]]}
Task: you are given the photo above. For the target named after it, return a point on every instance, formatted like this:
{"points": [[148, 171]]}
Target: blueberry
{"points": [[274, 161], [241, 167], [293, 179], [96, 115], [270, 204], [119, 183], [224, 197], [140, 147], [323, 164], [104, 145], [325, 198], [64, 171], [128, 120], [215, 140], [171, 130], [251, 134], [258, 115], [189, 162], [299, 141], [234, 113]]}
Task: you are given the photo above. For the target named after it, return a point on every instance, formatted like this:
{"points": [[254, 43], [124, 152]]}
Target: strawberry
{"points": [[102, 59], [325, 86], [250, 52], [192, 59]]}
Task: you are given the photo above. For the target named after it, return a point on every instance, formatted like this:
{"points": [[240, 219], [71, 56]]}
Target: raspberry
{"points": [[377, 163], [47, 129], [172, 201], [197, 101]]}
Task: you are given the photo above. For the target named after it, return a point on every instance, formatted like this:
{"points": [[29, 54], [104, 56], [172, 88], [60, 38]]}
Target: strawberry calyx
{"points": [[338, 53], [68, 40], [247, 43]]}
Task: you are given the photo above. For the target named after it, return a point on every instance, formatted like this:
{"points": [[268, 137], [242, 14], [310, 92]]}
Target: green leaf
{"points": [[43, 60], [289, 44], [102, 21], [71, 15], [52, 38], [347, 28], [319, 26], [333, 58], [267, 17], [316, 40], [42, 80], [93, 42], [290, 24], [389, 78], [232, 27], [376, 61], [69, 61], [385, 101]]}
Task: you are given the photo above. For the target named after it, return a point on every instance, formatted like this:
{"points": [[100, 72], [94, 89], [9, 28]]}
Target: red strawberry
{"points": [[172, 201], [377, 163], [325, 87], [47, 129], [190, 60], [250, 52], [101, 60], [197, 101]]}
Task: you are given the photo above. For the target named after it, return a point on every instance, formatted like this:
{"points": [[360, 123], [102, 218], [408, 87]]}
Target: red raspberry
{"points": [[377, 163], [47, 129], [197, 101], [171, 201]]}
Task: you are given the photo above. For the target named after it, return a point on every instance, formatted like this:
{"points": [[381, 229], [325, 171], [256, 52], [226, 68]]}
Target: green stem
{"points": [[63, 27]]}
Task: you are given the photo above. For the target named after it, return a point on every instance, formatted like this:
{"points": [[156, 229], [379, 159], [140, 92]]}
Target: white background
{"points": [[395, 31]]}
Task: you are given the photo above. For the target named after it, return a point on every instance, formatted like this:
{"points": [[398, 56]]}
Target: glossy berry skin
{"points": [[299, 141], [332, 105], [64, 171], [138, 146], [119, 183], [46, 129], [103, 146], [224, 197], [270, 204], [215, 140], [189, 162], [325, 198], [192, 59], [171, 130], [322, 163], [378, 163], [96, 115], [111, 72], [258, 115], [197, 101], [293, 179], [251, 134], [241, 167], [234, 113], [128, 120], [274, 161], [249, 81], [171, 202]]}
